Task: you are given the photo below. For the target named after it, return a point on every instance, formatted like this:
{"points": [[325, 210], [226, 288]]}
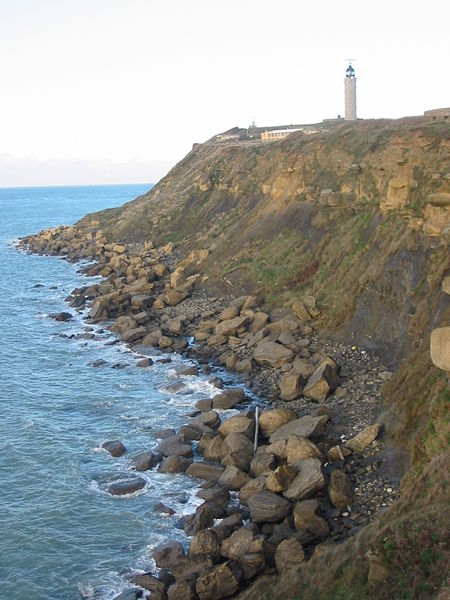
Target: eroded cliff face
{"points": [[357, 216]]}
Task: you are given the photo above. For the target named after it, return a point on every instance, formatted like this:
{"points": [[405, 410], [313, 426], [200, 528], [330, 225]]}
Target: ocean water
{"points": [[62, 535]]}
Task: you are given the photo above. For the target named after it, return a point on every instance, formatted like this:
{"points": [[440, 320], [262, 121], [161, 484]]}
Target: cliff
{"points": [[357, 217]]}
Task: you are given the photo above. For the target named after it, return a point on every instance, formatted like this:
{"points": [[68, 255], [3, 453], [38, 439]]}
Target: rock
{"points": [[220, 582], [216, 494], [215, 449], [303, 367], [237, 544], [165, 341], [128, 486], [229, 313], [181, 590], [278, 449], [238, 442], [261, 464], [364, 438], [114, 447], [323, 381], [61, 316], [300, 311], [309, 480], [289, 555], [440, 347], [340, 490], [244, 366], [300, 447], [251, 487], [258, 323], [145, 362], [233, 478], [271, 420], [445, 286], [307, 426], [238, 424], [251, 564], [338, 453], [205, 471], [304, 512], [232, 326], [174, 464], [272, 354], [161, 508], [203, 518], [143, 461], [291, 386], [204, 543], [168, 554], [131, 594], [267, 507], [152, 584], [280, 479], [228, 399], [205, 404], [174, 297], [163, 434], [132, 335], [173, 447], [210, 419]]}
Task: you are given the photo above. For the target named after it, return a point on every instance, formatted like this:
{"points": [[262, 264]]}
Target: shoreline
{"points": [[348, 400]]}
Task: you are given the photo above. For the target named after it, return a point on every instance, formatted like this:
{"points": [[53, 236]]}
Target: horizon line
{"points": [[55, 185]]}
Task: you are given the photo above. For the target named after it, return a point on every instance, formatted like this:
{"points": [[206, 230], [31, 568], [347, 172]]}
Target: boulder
{"points": [[168, 554], [183, 589], [303, 367], [189, 568], [340, 490], [280, 479], [123, 323], [289, 555], [126, 486], [300, 447], [271, 420], [204, 543], [261, 464], [174, 464], [144, 362], [272, 354], [307, 426], [278, 449], [440, 348], [258, 323], [210, 419], [114, 447], [215, 493], [215, 449], [173, 447], [62, 316], [131, 594], [152, 584], [228, 399], [309, 480], [174, 297], [251, 564], [300, 311], [364, 438], [219, 582], [233, 478], [237, 544], [143, 461], [132, 335], [267, 507], [251, 487], [232, 326], [203, 518], [323, 381], [205, 471], [336, 453], [291, 386], [310, 526], [229, 313], [238, 424]]}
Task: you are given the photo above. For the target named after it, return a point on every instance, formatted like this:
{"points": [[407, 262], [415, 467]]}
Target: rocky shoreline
{"points": [[321, 469]]}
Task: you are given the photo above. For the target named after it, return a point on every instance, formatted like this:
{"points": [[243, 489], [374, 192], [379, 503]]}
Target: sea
{"points": [[62, 535]]}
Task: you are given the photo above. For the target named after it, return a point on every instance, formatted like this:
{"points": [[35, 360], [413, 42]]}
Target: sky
{"points": [[117, 91]]}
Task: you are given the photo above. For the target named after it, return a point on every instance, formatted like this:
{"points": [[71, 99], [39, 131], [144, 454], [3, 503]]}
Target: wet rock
{"points": [[238, 424], [61, 316], [271, 420], [152, 584], [174, 464], [233, 478], [298, 448], [280, 479], [210, 419], [205, 471], [289, 555], [145, 362], [205, 543], [307, 426], [272, 354], [131, 594], [267, 507], [340, 490], [114, 447], [228, 399], [128, 486], [163, 434], [220, 582], [215, 493], [364, 438], [173, 447], [98, 363], [168, 554], [203, 518], [143, 461], [309, 480], [323, 381], [159, 507]]}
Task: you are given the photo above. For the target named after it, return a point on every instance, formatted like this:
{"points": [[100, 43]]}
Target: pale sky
{"points": [[115, 91]]}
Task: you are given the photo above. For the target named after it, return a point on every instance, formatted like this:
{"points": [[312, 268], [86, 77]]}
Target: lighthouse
{"points": [[350, 94]]}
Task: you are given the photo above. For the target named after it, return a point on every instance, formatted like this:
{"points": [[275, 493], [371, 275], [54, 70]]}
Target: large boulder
{"points": [[280, 479], [267, 507], [132, 335], [181, 589], [168, 554], [219, 582], [300, 447], [232, 326], [307, 426], [440, 348], [237, 544], [143, 461], [289, 555], [340, 490], [272, 354], [309, 480], [173, 447], [251, 487], [205, 471], [291, 386], [233, 478], [228, 399], [238, 450], [271, 420], [204, 543], [309, 525], [323, 381], [262, 463], [126, 486], [152, 584], [214, 449], [114, 447], [364, 438], [174, 464], [238, 424]]}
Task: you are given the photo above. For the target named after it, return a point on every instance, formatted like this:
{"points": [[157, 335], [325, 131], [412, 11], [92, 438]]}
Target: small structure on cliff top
{"points": [[350, 93]]}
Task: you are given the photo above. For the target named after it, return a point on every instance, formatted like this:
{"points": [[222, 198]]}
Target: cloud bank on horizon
{"points": [[117, 91]]}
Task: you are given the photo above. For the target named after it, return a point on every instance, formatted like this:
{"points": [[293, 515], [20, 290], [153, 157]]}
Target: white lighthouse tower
{"points": [[350, 94]]}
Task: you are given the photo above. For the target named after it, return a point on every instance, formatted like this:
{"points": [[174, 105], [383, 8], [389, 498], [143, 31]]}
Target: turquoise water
{"points": [[61, 535]]}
